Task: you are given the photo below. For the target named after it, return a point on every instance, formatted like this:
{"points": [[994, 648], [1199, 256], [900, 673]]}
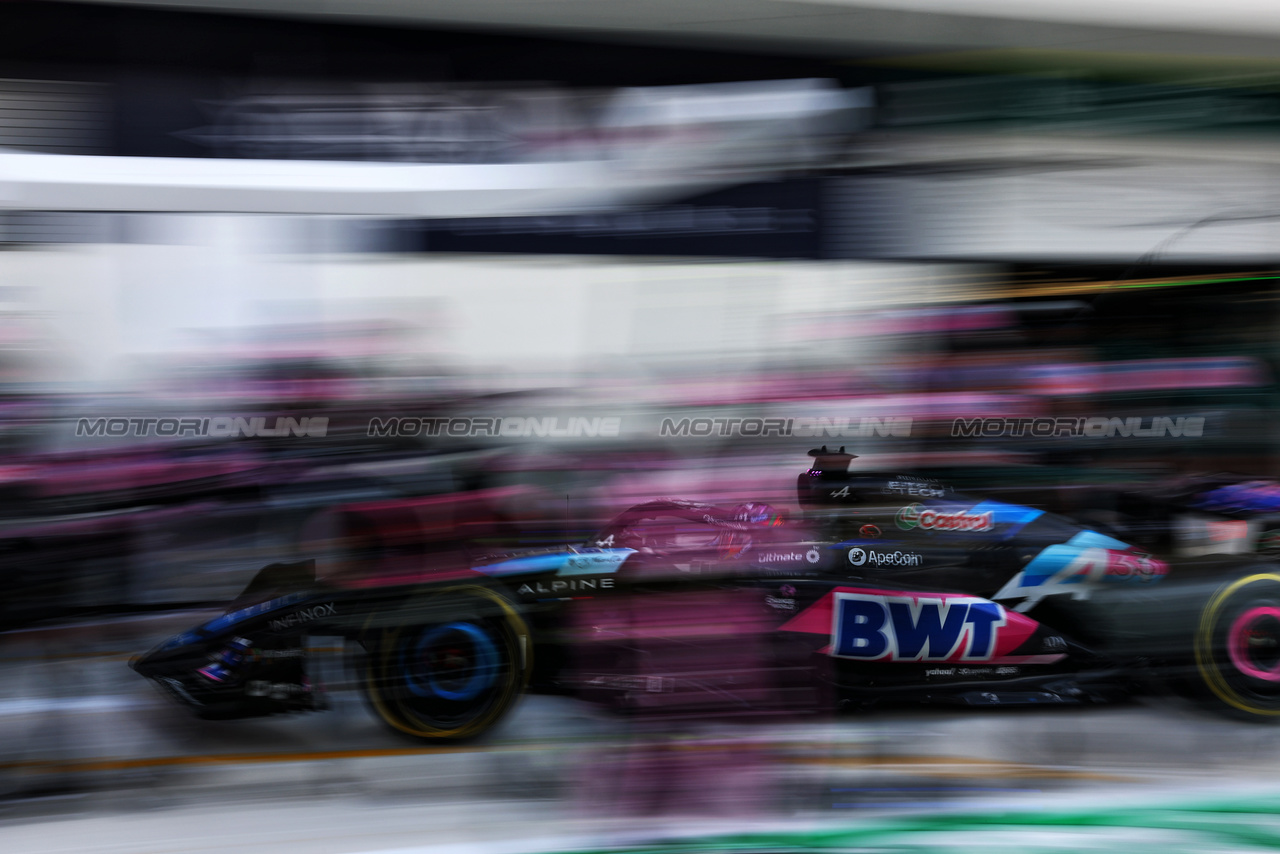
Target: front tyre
{"points": [[1237, 646], [454, 675]]}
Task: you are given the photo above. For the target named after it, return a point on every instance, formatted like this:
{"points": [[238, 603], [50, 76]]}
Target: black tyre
{"points": [[451, 675], [1237, 646]]}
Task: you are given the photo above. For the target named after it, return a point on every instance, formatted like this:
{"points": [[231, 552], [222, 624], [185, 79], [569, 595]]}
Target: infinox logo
{"points": [[915, 628], [306, 615], [918, 516]]}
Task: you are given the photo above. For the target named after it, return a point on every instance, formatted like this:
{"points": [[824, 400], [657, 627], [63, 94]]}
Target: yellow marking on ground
{"points": [[82, 765], [1071, 287], [935, 766]]}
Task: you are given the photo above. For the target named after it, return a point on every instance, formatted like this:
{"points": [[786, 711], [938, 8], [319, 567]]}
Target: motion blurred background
{"points": [[671, 247]]}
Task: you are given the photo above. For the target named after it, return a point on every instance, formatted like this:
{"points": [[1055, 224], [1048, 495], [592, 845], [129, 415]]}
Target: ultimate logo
{"points": [[916, 516]]}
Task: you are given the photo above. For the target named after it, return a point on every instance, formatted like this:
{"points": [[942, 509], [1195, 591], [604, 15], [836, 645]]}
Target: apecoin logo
{"points": [[858, 557]]}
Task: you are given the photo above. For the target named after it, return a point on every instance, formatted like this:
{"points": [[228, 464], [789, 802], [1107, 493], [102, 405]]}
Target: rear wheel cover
{"points": [[1253, 643], [453, 679], [1237, 645]]}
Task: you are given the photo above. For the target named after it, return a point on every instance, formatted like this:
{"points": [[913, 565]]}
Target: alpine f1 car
{"points": [[884, 588]]}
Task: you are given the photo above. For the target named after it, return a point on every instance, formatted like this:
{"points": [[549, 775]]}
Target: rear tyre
{"points": [[1237, 647], [455, 675]]}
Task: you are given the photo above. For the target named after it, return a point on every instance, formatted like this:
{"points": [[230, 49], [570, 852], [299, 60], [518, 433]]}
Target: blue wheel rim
{"points": [[484, 665]]}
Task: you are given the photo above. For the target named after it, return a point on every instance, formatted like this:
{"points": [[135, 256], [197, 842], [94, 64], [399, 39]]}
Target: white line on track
{"points": [[45, 705]]}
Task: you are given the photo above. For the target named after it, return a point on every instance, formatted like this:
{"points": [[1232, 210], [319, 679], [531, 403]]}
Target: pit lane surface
{"points": [[86, 740]]}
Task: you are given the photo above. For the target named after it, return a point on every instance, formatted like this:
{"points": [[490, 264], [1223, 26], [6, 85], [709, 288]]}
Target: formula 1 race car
{"points": [[885, 588]]}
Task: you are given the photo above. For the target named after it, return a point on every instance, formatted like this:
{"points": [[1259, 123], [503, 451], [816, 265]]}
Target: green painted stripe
{"points": [[1180, 282], [1228, 825]]}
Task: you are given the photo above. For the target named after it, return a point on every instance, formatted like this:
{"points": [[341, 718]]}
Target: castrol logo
{"points": [[915, 516]]}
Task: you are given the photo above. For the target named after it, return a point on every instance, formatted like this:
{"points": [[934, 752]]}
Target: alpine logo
{"points": [[860, 556], [916, 516], [915, 628], [571, 585]]}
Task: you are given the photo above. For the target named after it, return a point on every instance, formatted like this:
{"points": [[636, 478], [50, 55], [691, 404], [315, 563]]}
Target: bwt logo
{"points": [[915, 628]]}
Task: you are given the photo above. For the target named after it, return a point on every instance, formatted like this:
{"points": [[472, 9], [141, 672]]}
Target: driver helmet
{"points": [[758, 514], [734, 543]]}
